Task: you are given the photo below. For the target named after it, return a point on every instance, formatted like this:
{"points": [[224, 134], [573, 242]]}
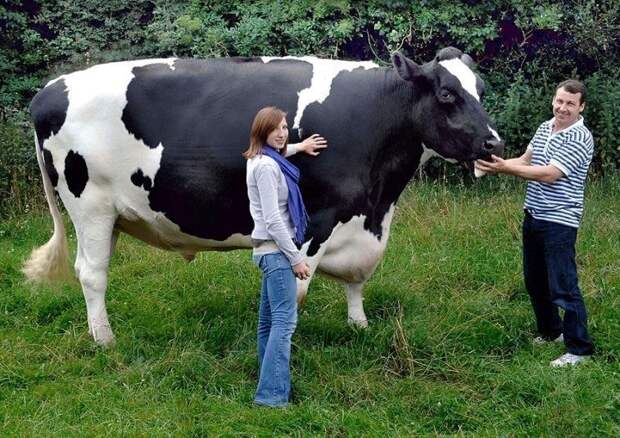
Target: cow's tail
{"points": [[50, 262]]}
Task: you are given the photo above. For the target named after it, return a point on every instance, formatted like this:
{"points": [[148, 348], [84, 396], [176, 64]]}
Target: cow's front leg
{"points": [[355, 304], [302, 290], [96, 244]]}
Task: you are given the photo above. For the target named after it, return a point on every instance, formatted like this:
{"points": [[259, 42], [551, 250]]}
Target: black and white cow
{"points": [[153, 148]]}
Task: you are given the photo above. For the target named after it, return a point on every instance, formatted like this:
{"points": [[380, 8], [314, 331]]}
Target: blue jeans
{"points": [[551, 280], [277, 320]]}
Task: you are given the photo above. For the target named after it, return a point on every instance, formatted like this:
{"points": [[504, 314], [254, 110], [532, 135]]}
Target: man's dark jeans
{"points": [[551, 280]]}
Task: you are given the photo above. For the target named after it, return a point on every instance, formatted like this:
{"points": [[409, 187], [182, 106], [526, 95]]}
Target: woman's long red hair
{"points": [[265, 121]]}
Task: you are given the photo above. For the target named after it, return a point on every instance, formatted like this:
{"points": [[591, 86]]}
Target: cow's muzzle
{"points": [[491, 146]]}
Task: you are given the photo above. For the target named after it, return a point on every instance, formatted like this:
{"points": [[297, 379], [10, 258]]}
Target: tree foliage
{"points": [[523, 48]]}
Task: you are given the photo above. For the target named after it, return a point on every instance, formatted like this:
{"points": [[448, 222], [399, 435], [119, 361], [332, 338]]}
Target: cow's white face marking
{"points": [[494, 133], [323, 73], [466, 77]]}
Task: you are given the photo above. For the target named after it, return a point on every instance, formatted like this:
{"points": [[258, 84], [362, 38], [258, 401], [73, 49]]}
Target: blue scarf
{"points": [[296, 207]]}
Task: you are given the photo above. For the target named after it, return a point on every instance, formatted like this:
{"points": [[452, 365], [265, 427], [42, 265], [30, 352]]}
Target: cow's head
{"points": [[447, 111]]}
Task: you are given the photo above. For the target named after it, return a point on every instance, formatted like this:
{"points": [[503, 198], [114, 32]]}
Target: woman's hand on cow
{"points": [[301, 271], [312, 145]]}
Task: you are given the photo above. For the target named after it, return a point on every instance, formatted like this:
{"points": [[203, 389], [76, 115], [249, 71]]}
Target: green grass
{"points": [[448, 350]]}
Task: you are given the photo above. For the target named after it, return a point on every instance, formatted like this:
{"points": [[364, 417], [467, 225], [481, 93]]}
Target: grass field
{"points": [[448, 350]]}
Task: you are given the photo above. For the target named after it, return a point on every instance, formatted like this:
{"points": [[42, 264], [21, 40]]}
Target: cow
{"points": [[152, 148]]}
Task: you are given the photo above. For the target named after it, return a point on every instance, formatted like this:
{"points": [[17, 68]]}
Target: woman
{"points": [[280, 221]]}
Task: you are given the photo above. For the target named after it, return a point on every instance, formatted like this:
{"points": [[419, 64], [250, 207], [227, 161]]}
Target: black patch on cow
{"points": [[139, 179], [76, 173], [48, 160], [201, 112], [48, 110]]}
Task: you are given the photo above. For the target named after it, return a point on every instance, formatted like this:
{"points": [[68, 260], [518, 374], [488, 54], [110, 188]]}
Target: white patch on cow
{"points": [[323, 73], [353, 252], [93, 127], [466, 77], [125, 64], [494, 133], [430, 153], [426, 155]]}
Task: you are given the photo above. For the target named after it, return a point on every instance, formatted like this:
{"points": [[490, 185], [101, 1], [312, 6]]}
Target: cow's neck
{"points": [[398, 154], [384, 153]]}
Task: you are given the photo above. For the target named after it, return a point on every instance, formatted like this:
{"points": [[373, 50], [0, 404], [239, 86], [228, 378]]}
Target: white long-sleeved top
{"points": [[268, 194]]}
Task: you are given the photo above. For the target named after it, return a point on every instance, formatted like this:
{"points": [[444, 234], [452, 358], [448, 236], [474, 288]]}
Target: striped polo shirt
{"points": [[570, 150]]}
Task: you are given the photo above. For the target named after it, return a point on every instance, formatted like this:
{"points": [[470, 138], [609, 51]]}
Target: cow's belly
{"points": [[156, 230], [353, 252]]}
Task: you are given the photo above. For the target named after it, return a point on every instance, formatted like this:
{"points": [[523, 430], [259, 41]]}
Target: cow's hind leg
{"points": [[355, 304], [96, 239], [303, 285]]}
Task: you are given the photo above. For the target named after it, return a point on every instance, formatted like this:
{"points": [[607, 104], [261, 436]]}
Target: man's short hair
{"points": [[574, 86]]}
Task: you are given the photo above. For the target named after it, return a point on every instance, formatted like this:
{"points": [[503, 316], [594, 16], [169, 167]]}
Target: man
{"points": [[556, 165]]}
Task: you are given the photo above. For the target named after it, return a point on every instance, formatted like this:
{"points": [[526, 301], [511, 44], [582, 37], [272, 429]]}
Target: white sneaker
{"points": [[539, 340], [568, 359]]}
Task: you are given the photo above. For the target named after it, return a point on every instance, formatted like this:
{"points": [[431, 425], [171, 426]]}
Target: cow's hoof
{"points": [[359, 323], [103, 336]]}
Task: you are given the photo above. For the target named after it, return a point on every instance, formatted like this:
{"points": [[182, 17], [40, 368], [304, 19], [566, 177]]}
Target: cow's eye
{"points": [[446, 96]]}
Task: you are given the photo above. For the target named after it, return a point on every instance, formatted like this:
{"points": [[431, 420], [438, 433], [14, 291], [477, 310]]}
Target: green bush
{"points": [[20, 187], [601, 117]]}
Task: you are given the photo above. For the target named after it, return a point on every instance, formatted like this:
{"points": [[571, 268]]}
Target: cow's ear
{"points": [[406, 68]]}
